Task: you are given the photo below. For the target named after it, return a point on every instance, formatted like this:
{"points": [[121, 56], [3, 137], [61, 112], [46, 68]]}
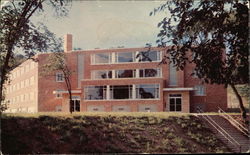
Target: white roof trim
{"points": [[178, 89], [65, 91]]}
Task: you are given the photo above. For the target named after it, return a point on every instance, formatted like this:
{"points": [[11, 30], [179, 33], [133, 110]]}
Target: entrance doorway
{"points": [[175, 102], [75, 104]]}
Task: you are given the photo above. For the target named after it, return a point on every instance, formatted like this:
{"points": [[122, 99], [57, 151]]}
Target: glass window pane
{"points": [[141, 72], [95, 92], [150, 72], [102, 58], [77, 105], [125, 57], [147, 91], [149, 56], [121, 92], [124, 73]]}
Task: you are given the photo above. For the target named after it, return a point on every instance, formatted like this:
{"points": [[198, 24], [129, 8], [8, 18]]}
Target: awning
{"points": [[65, 91], [178, 89]]}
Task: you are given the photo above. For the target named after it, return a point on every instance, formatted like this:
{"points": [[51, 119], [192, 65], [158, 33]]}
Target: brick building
{"points": [[111, 80]]}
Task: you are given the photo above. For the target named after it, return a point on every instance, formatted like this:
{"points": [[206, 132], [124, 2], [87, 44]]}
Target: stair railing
{"points": [[236, 124], [219, 129]]}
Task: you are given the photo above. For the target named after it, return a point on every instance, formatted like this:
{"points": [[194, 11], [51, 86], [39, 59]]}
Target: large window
{"points": [[59, 77], [101, 74], [175, 102], [147, 91], [122, 57], [95, 92], [121, 92], [125, 73], [101, 58], [172, 75], [199, 90], [150, 72], [149, 56]]}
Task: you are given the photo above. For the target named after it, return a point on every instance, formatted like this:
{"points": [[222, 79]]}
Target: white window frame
{"points": [[156, 91], [57, 77], [200, 90], [117, 54], [93, 58], [159, 70], [174, 97]]}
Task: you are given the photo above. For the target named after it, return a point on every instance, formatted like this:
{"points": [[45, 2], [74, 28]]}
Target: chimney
{"points": [[68, 43]]}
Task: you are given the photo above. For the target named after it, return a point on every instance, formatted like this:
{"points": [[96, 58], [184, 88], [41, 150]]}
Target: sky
{"points": [[106, 24]]}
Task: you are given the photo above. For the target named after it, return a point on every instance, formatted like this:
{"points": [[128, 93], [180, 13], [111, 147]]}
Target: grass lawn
{"points": [[107, 133]]}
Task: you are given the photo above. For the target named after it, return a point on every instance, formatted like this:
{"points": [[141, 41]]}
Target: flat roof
{"points": [[178, 89]]}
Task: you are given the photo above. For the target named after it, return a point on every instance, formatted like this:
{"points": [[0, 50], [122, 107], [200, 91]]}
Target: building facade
{"points": [[118, 80]]}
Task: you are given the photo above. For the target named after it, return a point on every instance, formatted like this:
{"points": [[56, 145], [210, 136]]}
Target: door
{"points": [[175, 102], [75, 104]]}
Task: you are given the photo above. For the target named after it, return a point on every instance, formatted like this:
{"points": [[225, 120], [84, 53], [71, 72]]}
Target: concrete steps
{"points": [[231, 130]]}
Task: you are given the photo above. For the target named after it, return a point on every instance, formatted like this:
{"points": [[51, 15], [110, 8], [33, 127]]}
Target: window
{"points": [[95, 92], [32, 80], [199, 90], [125, 73], [147, 91], [75, 104], [101, 58], [150, 72], [195, 74], [101, 74], [121, 92], [172, 75], [122, 57], [22, 84], [59, 77], [149, 56], [175, 102]]}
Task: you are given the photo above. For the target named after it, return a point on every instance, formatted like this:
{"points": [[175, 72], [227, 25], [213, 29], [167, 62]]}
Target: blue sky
{"points": [[106, 24]]}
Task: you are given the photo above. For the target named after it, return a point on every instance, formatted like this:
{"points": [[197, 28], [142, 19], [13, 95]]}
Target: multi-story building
{"points": [[122, 79]]}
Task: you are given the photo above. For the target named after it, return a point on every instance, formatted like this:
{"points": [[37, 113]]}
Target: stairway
{"points": [[231, 130]]}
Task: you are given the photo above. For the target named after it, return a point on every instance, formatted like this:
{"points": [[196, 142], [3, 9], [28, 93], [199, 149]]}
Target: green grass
{"points": [[107, 133]]}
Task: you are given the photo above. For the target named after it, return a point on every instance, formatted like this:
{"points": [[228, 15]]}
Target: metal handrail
{"points": [[220, 129], [234, 122]]}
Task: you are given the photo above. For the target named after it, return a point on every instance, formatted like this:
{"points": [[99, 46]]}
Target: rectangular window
{"points": [[59, 77], [172, 75], [122, 57], [149, 56], [101, 58], [150, 72], [175, 102], [147, 91], [32, 79], [121, 92], [95, 92], [125, 73], [195, 74], [101, 74], [199, 90]]}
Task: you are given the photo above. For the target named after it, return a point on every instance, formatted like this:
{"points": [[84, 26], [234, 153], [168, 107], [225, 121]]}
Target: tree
{"points": [[57, 62], [216, 32], [17, 31]]}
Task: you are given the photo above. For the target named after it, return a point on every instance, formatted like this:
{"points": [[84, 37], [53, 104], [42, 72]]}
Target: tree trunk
{"points": [[242, 109]]}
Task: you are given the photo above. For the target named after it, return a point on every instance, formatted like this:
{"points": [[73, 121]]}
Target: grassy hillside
{"points": [[106, 132]]}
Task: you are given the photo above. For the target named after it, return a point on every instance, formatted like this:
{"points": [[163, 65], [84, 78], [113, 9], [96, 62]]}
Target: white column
{"points": [[133, 92], [137, 73], [108, 92], [113, 55], [113, 74]]}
